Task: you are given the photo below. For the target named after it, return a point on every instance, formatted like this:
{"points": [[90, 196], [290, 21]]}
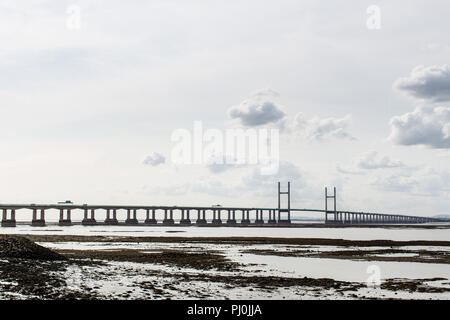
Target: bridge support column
{"points": [[89, 221], [9, 222], [186, 221], [168, 221], [272, 219], [200, 219], [259, 217], [113, 220], [216, 220], [63, 221], [153, 219], [231, 219], [131, 220], [37, 222], [245, 216]]}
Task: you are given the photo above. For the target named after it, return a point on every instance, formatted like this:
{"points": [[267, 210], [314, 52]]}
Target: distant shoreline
{"points": [[437, 225]]}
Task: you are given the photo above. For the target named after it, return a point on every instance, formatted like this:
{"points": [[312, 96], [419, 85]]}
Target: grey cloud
{"points": [[221, 163], [371, 160], [430, 83], [325, 128], [395, 183], [258, 109], [154, 159], [348, 170], [202, 185], [428, 126]]}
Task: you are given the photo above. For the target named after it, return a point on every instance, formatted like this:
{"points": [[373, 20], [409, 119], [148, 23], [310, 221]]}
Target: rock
{"points": [[21, 247]]}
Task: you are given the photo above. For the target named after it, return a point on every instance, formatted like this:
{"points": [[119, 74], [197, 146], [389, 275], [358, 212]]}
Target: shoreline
{"points": [[232, 240]]}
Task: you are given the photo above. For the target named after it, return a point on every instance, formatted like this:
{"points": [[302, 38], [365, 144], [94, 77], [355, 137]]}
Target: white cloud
{"points": [[430, 83], [428, 126], [322, 129], [265, 185], [259, 109], [423, 181], [154, 159]]}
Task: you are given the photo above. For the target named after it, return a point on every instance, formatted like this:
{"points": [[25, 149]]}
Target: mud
{"points": [[197, 260], [422, 256], [238, 240]]}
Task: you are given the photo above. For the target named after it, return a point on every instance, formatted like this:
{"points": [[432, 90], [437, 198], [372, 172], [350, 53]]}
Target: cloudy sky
{"points": [[92, 91]]}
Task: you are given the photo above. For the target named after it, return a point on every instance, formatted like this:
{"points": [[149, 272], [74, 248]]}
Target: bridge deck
{"points": [[275, 215]]}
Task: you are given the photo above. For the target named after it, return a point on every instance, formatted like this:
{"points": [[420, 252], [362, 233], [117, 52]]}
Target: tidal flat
{"points": [[107, 265]]}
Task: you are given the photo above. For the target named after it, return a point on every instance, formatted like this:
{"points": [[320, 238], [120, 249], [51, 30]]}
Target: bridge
{"points": [[234, 215]]}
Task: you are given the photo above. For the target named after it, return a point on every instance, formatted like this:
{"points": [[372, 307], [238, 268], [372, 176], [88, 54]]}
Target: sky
{"points": [[92, 94]]}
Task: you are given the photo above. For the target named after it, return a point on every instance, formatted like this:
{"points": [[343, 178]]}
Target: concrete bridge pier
{"points": [[131, 220], [231, 219], [35, 222], [340, 221], [113, 220], [89, 221], [185, 220], [259, 217], [67, 221], [168, 220], [216, 220], [272, 219], [201, 216], [245, 217], [11, 222], [285, 221], [153, 218]]}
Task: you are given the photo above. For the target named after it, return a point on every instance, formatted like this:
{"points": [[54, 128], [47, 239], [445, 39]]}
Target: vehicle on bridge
{"points": [[65, 202]]}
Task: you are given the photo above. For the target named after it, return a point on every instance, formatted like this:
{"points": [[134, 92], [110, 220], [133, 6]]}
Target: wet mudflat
{"points": [[115, 267]]}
